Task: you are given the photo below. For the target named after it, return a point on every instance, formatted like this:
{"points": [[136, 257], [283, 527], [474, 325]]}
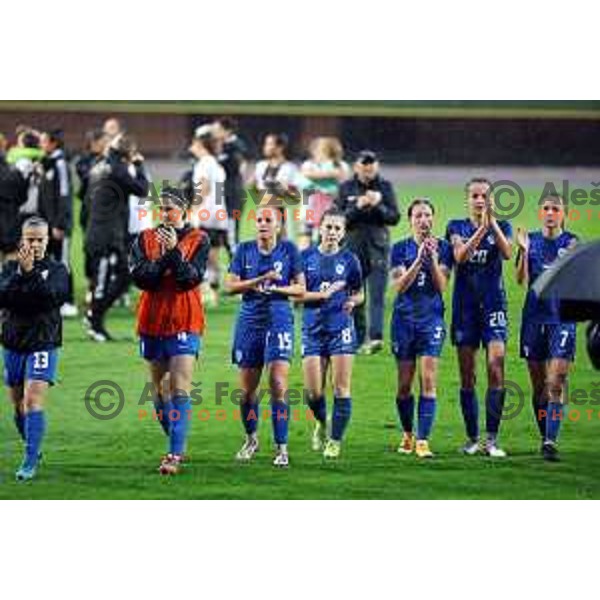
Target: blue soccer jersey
{"points": [[265, 327], [418, 319], [542, 254], [479, 304], [543, 334], [327, 329]]}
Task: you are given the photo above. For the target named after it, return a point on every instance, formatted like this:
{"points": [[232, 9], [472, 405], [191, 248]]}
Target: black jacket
{"points": [[56, 199], [369, 226], [32, 302], [83, 168], [110, 186], [13, 193], [231, 159]]}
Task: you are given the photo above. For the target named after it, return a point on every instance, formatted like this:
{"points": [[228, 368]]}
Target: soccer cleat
{"points": [[407, 445], [281, 460], [422, 449], [550, 452], [25, 472], [248, 450], [99, 335], [493, 451], [170, 464], [319, 436], [371, 347], [332, 450], [471, 448], [69, 311]]}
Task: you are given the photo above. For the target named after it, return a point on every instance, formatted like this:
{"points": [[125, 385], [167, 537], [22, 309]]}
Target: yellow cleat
{"points": [[408, 443], [332, 450], [422, 449]]}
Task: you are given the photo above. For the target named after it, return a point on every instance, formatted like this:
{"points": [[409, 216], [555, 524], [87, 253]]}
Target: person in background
{"points": [[369, 203], [26, 156], [95, 145], [275, 178], [323, 172], [208, 208], [112, 128], [56, 206], [111, 184], [13, 194], [232, 159]]}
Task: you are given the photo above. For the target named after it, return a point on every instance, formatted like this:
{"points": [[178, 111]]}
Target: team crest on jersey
{"points": [[491, 240], [339, 269], [278, 266]]}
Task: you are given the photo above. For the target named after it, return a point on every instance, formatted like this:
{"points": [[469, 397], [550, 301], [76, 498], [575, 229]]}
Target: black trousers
{"points": [[60, 250], [374, 266], [109, 276]]}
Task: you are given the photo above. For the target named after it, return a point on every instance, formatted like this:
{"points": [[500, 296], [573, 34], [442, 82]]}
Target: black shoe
{"points": [[99, 334], [550, 452]]}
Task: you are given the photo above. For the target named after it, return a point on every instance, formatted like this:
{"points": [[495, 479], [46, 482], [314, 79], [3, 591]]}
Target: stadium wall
{"points": [[449, 134]]}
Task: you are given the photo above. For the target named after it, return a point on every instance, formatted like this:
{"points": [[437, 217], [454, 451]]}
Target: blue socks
{"points": [[319, 409], [494, 405], [342, 410], [35, 427], [280, 415], [470, 410], [20, 424], [426, 412], [406, 412], [540, 410], [250, 416], [161, 414], [553, 421], [179, 423]]}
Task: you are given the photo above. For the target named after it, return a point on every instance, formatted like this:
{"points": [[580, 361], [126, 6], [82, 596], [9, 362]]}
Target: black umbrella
{"points": [[575, 281]]}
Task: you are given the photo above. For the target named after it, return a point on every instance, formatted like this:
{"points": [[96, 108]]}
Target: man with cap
{"points": [[369, 203]]}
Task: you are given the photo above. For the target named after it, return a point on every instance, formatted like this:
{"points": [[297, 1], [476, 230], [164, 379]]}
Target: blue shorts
{"points": [[541, 342], [476, 326], [318, 342], [161, 349], [255, 346], [410, 339], [35, 366]]}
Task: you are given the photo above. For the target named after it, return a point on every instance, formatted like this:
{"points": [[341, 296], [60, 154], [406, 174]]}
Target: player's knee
{"points": [[404, 390], [34, 398]]}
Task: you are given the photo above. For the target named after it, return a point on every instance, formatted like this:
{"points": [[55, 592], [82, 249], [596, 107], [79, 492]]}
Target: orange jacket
{"points": [[171, 301]]}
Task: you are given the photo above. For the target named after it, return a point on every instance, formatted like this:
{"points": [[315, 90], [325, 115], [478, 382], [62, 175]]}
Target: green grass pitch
{"points": [[87, 458]]}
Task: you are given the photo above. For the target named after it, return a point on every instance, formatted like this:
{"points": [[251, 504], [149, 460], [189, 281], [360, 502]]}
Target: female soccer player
{"points": [[32, 289], [267, 272], [168, 264], [333, 289], [324, 172], [547, 343], [421, 266], [480, 243]]}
